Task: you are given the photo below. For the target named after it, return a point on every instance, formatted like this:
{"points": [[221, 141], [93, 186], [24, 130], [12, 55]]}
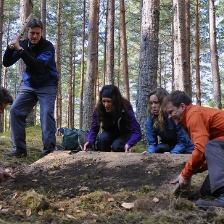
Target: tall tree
{"points": [[148, 56], [43, 16], [172, 51], [124, 49], [214, 55], [96, 91], [9, 78], [118, 67], [1, 32], [92, 64], [180, 47], [71, 78], [197, 52], [110, 44], [82, 66], [105, 46], [58, 62], [188, 87], [26, 8]]}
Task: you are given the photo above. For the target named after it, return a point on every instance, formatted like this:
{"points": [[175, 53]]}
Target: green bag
{"points": [[72, 139]]}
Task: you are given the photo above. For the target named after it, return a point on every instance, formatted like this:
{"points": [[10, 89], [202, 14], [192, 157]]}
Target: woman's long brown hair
{"points": [[159, 120]]}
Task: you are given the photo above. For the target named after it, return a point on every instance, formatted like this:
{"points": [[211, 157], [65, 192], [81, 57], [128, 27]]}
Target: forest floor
{"points": [[97, 187]]}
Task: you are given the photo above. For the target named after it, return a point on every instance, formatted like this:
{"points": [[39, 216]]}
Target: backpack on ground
{"points": [[72, 139]]}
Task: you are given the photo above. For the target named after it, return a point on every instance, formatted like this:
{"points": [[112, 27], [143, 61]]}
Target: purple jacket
{"points": [[131, 123]]}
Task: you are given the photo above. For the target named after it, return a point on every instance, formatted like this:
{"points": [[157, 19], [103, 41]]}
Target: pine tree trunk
{"points": [[26, 7], [43, 16], [71, 78], [148, 57], [214, 56], [188, 84], [58, 63], [5, 83], [82, 66], [124, 50], [110, 44], [180, 47], [92, 61], [105, 47], [1, 32], [197, 52]]}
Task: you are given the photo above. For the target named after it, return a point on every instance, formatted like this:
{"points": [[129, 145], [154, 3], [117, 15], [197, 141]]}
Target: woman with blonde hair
{"points": [[163, 135]]}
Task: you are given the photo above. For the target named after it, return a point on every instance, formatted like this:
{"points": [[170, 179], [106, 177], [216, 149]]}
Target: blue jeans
{"points": [[26, 99]]}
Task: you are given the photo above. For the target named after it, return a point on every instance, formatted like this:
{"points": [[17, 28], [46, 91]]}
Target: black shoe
{"points": [[205, 204], [46, 152], [16, 154]]}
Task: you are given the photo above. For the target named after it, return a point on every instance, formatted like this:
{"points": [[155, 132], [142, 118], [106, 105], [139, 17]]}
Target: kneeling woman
{"points": [[162, 133], [114, 125]]}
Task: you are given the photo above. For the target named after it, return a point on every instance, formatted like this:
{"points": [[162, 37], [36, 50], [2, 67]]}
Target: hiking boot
{"points": [[205, 204], [46, 152], [17, 154]]}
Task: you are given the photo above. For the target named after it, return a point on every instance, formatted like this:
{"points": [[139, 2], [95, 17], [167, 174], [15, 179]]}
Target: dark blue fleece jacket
{"points": [[40, 63]]}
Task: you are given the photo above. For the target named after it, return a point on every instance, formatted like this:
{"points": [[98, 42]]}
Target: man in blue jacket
{"points": [[39, 84]]}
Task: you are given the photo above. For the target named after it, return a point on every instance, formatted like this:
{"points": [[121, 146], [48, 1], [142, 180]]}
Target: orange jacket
{"points": [[203, 124]]}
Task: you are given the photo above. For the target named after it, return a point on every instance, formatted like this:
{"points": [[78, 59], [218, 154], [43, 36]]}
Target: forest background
{"points": [[137, 45]]}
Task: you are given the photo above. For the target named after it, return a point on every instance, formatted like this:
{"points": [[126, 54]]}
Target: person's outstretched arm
{"points": [[4, 175], [92, 133]]}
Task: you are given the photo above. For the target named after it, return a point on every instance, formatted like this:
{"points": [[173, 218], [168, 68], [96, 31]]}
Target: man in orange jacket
{"points": [[206, 128]]}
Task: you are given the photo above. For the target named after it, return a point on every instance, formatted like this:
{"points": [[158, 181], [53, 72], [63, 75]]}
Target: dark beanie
{"points": [[107, 93]]}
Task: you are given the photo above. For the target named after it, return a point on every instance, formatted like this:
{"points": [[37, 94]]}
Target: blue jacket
{"points": [[173, 133], [120, 127], [40, 63]]}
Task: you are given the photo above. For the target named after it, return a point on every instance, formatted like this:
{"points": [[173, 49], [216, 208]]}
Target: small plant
{"points": [[146, 189]]}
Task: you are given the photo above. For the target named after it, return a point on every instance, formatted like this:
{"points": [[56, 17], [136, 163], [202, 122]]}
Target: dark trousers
{"points": [[107, 142], [163, 147], [26, 99], [214, 182]]}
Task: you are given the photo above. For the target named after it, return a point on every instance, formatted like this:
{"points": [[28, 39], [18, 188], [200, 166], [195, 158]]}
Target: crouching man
{"points": [[206, 129]]}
